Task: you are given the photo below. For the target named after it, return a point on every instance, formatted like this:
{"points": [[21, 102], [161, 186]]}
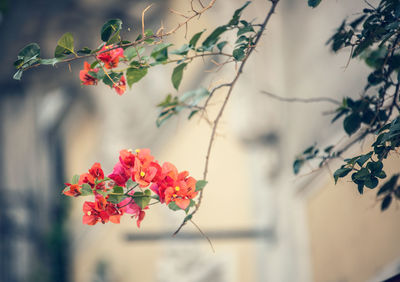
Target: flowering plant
{"points": [[136, 180]]}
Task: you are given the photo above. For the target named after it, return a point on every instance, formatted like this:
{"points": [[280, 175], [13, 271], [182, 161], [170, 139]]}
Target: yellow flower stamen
{"points": [[89, 213], [177, 188], [142, 174], [137, 150]]}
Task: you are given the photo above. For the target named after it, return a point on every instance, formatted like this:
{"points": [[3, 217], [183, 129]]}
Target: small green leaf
{"points": [[18, 74], [133, 51], [244, 30], [160, 51], [297, 164], [84, 51], [237, 14], [116, 199], [192, 113], [213, 37], [352, 123], [118, 190], [130, 183], [360, 188], [173, 206], [200, 184], [239, 54], [363, 158], [362, 174], [389, 185], [86, 190], [181, 51], [194, 39], [30, 51], [221, 45], [177, 75], [110, 28], [142, 199], [341, 172], [386, 202], [371, 182], [192, 98], [134, 75], [375, 167], [67, 42], [75, 179], [313, 3], [112, 78]]}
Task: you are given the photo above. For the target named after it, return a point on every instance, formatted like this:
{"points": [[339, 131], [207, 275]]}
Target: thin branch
{"points": [[204, 235], [158, 36], [221, 111], [144, 11], [302, 100]]}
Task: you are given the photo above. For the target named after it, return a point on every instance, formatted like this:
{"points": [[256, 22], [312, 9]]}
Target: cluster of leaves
{"points": [[214, 44], [146, 51], [373, 37]]}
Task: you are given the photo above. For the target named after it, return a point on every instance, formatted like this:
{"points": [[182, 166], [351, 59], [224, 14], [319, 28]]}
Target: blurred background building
{"points": [[265, 223]]}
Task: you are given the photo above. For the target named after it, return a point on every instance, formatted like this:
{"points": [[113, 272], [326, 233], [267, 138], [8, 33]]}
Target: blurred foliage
{"points": [[373, 37]]}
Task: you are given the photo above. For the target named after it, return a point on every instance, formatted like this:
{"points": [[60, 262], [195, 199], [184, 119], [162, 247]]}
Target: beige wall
{"points": [[350, 238]]}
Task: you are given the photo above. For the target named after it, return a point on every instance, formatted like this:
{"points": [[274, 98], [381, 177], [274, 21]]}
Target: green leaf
{"points": [[164, 116], [221, 45], [130, 183], [181, 51], [297, 164], [375, 167], [363, 158], [192, 98], [174, 206], [75, 179], [200, 184], [84, 51], [133, 75], [386, 202], [29, 52], [341, 172], [389, 185], [371, 182], [191, 204], [237, 14], [362, 174], [142, 199], [313, 3], [238, 54], [160, 51], [195, 38], [192, 113], [360, 188], [244, 30], [110, 28], [213, 37], [177, 75], [148, 34], [18, 74], [111, 78], [118, 190], [66, 42], [86, 190], [132, 52], [116, 199], [352, 123]]}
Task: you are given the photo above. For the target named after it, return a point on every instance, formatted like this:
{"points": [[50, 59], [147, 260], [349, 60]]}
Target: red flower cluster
{"points": [[109, 59], [125, 191]]}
